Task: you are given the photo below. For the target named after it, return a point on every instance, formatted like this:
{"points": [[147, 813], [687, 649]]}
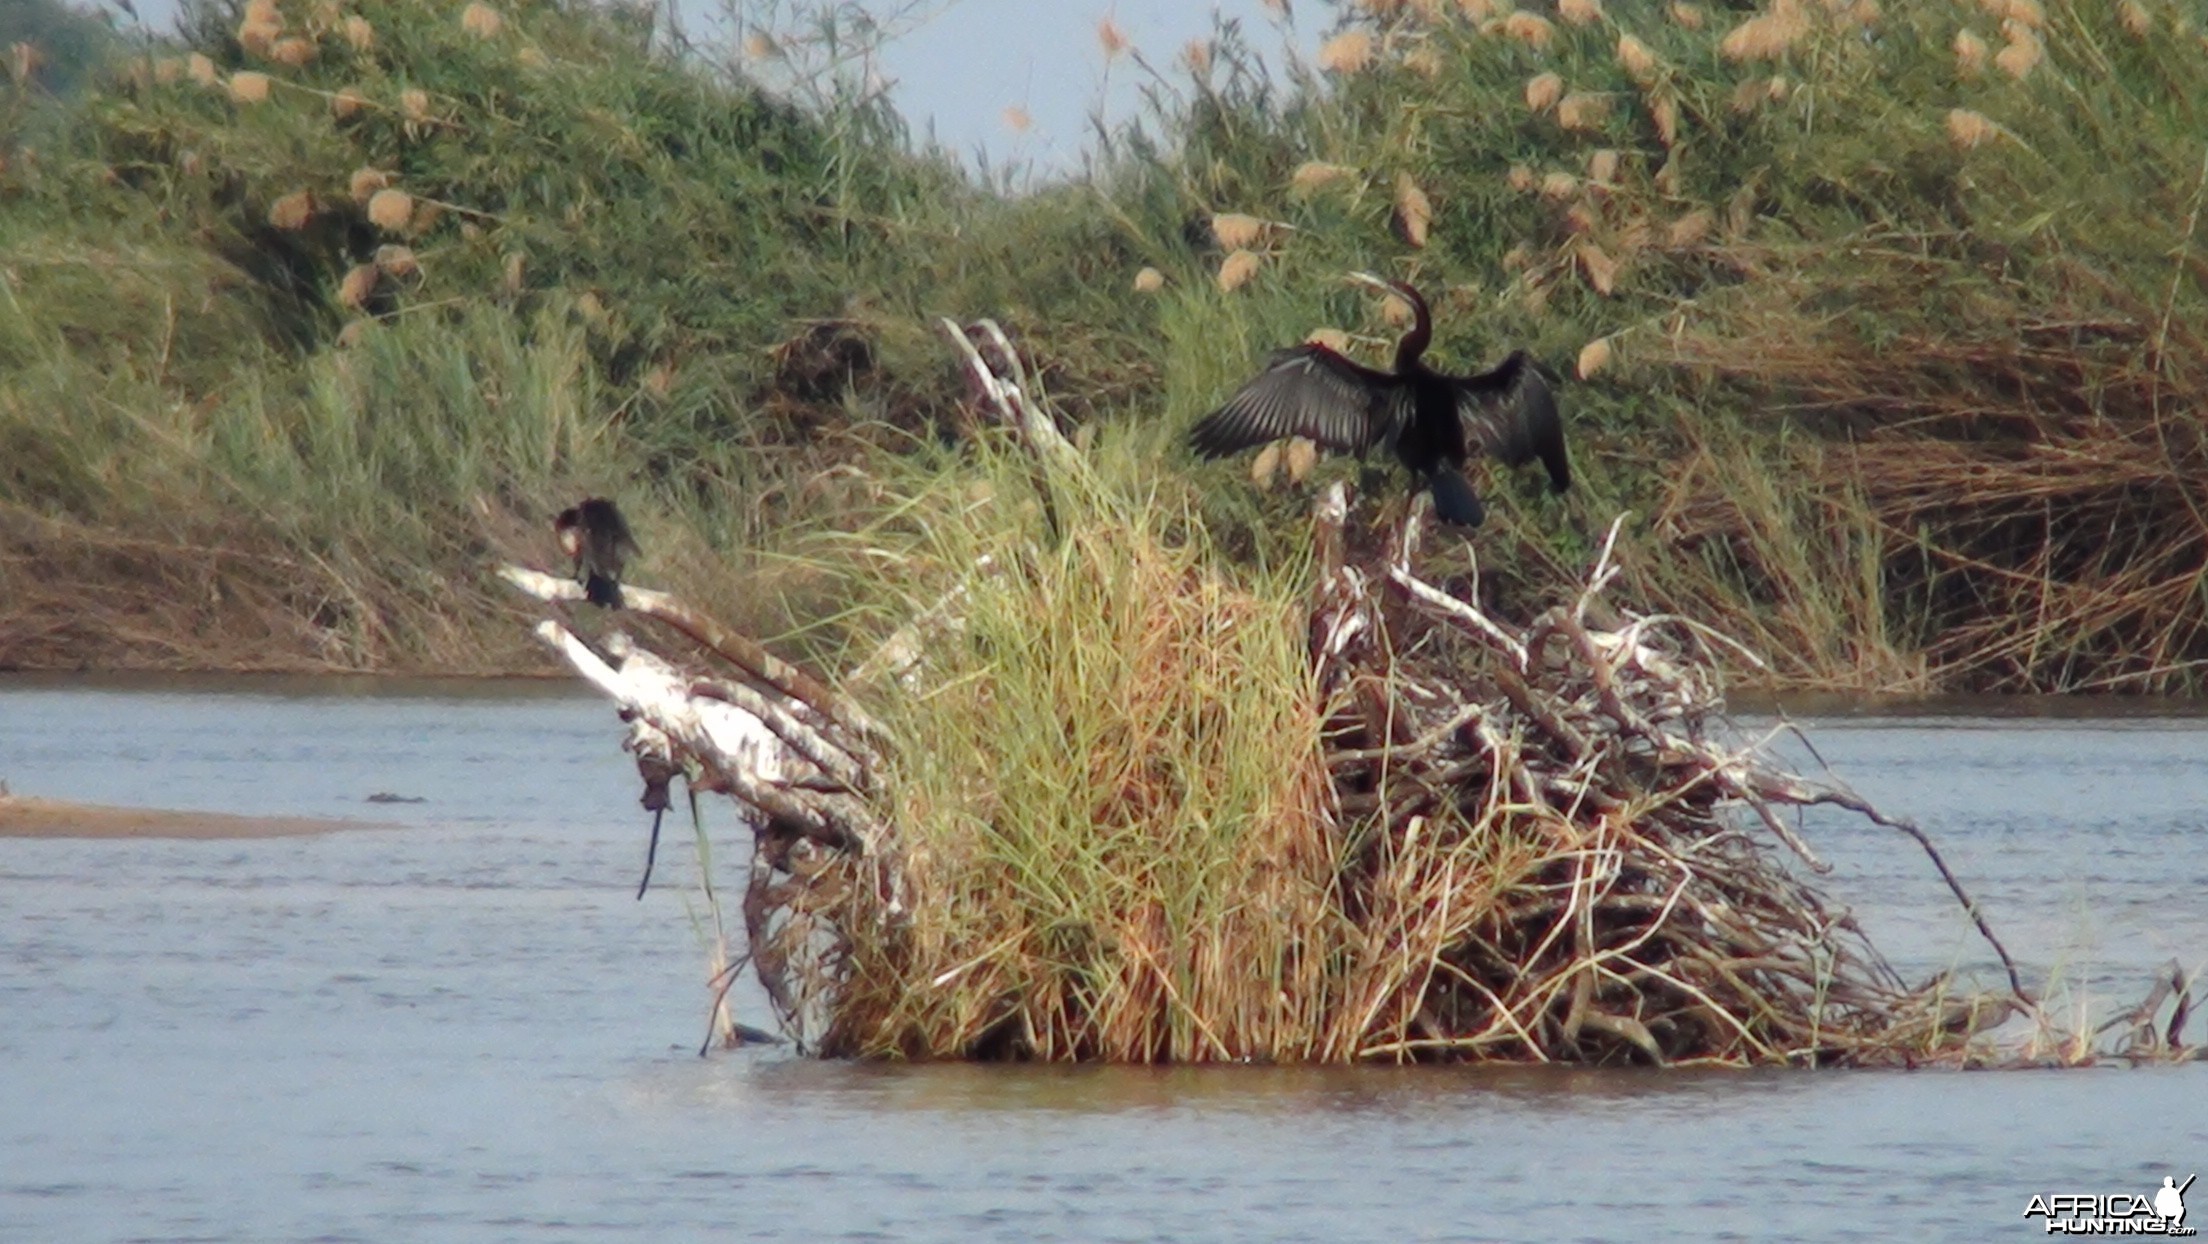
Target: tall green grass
{"points": [[1115, 796]]}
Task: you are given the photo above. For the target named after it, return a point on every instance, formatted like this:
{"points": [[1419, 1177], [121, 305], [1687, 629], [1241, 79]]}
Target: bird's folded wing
{"points": [[1308, 391], [1510, 413]]}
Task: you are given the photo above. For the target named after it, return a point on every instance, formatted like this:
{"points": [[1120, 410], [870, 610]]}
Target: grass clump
{"points": [[1117, 817]]}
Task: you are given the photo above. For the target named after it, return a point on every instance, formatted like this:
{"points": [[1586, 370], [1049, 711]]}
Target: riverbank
{"points": [[1898, 366]]}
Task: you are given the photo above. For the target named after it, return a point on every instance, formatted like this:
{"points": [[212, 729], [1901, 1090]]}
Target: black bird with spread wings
{"points": [[1431, 421], [597, 537]]}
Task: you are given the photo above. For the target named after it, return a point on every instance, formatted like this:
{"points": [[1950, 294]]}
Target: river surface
{"points": [[464, 1027]]}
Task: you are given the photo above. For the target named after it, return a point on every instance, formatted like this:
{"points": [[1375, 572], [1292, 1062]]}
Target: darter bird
{"points": [[1431, 421], [597, 537]]}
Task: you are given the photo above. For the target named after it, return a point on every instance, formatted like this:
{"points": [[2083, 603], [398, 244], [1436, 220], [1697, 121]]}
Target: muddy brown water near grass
{"points": [[466, 1029]]}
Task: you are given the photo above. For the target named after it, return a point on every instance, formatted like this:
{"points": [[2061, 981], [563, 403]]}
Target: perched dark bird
{"points": [[1431, 421], [597, 537]]}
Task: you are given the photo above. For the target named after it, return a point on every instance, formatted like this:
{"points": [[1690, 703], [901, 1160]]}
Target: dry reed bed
{"points": [[86, 597], [2030, 494], [1120, 806]]}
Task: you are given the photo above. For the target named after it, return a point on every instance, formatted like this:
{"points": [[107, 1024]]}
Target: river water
{"points": [[463, 1027]]}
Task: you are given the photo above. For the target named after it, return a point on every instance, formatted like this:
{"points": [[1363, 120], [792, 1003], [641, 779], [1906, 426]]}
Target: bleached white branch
{"points": [[1002, 381], [1470, 617], [793, 696], [738, 751], [551, 589], [901, 653], [725, 736]]}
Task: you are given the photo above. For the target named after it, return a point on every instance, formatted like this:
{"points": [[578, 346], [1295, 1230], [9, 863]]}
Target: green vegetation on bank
{"points": [[1891, 317], [51, 45]]}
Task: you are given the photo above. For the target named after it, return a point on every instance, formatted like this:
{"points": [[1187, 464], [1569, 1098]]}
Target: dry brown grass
{"points": [[1768, 35], [1593, 357], [388, 209], [1580, 12], [1238, 231], [1639, 62], [1314, 174], [1348, 52], [1239, 269], [481, 20], [2020, 55], [249, 87], [231, 596], [1582, 110], [1970, 129], [1971, 54], [2024, 497], [1530, 29], [1414, 212], [1543, 90]]}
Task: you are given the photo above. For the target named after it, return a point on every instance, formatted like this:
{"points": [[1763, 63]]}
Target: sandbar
{"points": [[22, 816]]}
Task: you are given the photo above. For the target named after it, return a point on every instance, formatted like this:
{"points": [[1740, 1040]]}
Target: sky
{"points": [[963, 63], [977, 58]]}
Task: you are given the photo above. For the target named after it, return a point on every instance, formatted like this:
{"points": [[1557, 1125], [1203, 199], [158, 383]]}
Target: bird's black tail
{"points": [[600, 590], [1454, 499]]}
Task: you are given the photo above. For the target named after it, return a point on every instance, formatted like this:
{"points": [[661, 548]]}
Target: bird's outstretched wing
{"points": [[1307, 391], [1510, 413]]}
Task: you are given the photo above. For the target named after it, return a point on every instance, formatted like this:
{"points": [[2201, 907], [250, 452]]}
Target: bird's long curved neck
{"points": [[1414, 342]]}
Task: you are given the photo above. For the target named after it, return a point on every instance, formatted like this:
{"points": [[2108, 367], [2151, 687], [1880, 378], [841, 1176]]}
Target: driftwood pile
{"points": [[1588, 755], [1551, 844]]}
